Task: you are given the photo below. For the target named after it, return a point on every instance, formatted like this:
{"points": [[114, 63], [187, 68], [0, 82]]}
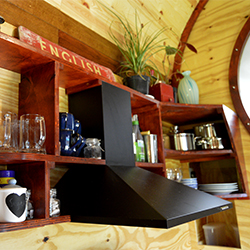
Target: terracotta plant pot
{"points": [[139, 83], [162, 92]]}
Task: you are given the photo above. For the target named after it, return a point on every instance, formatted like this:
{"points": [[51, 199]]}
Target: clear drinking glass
{"points": [[178, 174], [32, 133], [170, 173], [8, 132], [174, 173]]}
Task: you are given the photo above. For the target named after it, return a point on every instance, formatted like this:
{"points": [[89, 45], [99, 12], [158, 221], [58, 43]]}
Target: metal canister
{"points": [[184, 141], [151, 151]]}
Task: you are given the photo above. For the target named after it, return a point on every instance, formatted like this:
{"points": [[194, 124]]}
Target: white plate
{"points": [[219, 188], [222, 193], [219, 191], [219, 185]]}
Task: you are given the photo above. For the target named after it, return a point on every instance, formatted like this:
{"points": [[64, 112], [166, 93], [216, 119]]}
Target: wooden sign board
{"points": [[37, 41]]}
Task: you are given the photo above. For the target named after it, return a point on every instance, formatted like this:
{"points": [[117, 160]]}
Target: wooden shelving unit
{"points": [[227, 127], [42, 75]]}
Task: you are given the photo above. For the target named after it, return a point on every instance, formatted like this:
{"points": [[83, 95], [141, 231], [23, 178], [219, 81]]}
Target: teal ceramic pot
{"points": [[188, 91]]}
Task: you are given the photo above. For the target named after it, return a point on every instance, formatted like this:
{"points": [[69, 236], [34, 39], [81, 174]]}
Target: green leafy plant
{"points": [[170, 51], [138, 48]]}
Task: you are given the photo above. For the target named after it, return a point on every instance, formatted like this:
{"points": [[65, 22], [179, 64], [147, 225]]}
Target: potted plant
{"points": [[138, 50]]}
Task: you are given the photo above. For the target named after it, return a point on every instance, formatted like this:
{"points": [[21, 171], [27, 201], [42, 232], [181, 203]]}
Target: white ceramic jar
{"points": [[13, 204]]}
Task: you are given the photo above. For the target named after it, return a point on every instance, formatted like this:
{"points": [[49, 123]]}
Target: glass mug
{"points": [[32, 133], [8, 132]]}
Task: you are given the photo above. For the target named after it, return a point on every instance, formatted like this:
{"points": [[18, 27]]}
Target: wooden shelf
{"points": [[15, 158], [198, 155], [5, 227], [183, 114], [233, 196], [149, 165]]}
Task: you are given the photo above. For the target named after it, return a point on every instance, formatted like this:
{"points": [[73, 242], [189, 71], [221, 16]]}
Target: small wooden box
{"points": [[162, 92]]}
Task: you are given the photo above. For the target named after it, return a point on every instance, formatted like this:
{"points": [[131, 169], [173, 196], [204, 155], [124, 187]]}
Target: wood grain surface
{"points": [[93, 237], [214, 35]]}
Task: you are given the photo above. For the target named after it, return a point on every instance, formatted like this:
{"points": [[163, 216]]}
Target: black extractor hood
{"points": [[120, 193]]}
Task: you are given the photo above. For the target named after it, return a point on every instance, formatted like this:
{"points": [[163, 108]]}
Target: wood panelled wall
{"points": [[213, 35]]}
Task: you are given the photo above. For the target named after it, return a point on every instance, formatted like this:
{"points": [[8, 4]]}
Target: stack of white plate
{"points": [[191, 182], [219, 188]]}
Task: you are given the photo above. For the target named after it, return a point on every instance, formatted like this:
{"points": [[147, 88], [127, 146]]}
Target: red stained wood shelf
{"points": [[198, 155], [15, 158], [5, 227], [182, 114], [43, 72], [233, 196], [20, 57], [149, 165]]}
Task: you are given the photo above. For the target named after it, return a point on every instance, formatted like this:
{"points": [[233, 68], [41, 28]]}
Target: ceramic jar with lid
{"points": [[12, 203], [5, 176]]}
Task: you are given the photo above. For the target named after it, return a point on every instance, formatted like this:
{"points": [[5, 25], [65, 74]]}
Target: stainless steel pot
{"points": [[213, 143], [199, 131], [209, 130], [183, 141], [205, 130]]}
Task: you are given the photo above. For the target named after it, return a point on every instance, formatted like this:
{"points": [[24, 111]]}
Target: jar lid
{"points": [[7, 173], [92, 140], [11, 184]]}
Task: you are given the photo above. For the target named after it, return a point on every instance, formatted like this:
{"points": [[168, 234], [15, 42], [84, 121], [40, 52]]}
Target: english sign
{"points": [[37, 41]]}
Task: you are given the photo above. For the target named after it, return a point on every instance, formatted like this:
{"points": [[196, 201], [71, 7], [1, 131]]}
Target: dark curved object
{"points": [[1, 20], [184, 38], [233, 74]]}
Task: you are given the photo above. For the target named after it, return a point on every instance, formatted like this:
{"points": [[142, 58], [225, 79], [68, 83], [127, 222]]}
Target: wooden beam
{"points": [[18, 16], [184, 37]]}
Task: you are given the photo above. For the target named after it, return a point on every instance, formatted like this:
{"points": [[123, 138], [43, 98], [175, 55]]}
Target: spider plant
{"points": [[138, 48]]}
